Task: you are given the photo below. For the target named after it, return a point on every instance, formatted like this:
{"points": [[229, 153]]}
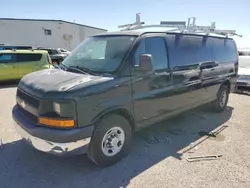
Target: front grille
{"points": [[29, 99], [242, 84], [28, 115], [31, 106]]}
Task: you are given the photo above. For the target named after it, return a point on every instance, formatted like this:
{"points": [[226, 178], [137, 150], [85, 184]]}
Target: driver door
{"points": [[152, 91]]}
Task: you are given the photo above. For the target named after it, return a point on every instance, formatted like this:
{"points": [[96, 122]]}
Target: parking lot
{"points": [[158, 157]]}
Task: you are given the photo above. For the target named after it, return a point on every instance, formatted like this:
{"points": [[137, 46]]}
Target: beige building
{"points": [[44, 33]]}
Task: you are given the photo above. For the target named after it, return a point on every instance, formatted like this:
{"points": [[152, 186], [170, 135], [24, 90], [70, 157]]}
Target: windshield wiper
{"points": [[56, 66], [63, 66], [82, 70]]}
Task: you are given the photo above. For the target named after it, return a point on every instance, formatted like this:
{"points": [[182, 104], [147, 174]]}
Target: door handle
{"points": [[208, 65]]}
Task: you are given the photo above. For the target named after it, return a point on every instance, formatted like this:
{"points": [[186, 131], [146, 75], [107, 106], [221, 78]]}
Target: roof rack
{"points": [[180, 26]]}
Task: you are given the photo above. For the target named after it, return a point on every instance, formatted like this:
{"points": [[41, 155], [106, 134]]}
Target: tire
{"points": [[220, 104], [99, 150]]}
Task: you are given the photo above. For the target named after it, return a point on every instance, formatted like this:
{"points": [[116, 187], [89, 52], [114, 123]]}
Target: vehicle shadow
{"points": [[243, 92], [22, 166], [9, 84]]}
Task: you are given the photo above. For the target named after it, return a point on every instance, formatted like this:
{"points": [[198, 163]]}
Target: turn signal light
{"points": [[57, 123]]}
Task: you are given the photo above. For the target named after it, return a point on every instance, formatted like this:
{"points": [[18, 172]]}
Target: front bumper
{"points": [[53, 141], [243, 82]]}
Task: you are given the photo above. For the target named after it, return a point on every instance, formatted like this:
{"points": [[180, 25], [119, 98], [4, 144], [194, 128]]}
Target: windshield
{"points": [[244, 62], [100, 54]]}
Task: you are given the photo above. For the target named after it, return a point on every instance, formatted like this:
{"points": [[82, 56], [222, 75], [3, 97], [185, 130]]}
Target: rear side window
{"points": [[28, 57], [53, 52], [157, 48], [24, 48], [8, 48], [7, 58], [62, 50], [49, 51], [187, 50], [16, 48], [224, 50]]}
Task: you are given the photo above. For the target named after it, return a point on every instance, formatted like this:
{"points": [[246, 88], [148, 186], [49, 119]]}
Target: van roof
{"points": [[23, 51], [139, 33]]}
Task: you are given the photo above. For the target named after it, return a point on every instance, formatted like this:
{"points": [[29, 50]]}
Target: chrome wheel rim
{"points": [[113, 141], [223, 98]]}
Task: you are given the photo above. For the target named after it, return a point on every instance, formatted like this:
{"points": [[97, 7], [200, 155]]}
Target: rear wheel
{"points": [[220, 103], [111, 140]]}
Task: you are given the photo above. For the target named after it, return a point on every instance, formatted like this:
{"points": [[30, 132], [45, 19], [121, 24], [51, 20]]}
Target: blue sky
{"points": [[108, 14]]}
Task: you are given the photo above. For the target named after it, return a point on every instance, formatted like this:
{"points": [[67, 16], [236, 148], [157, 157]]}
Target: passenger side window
{"points": [[28, 57], [224, 50], [186, 50], [7, 58], [157, 48]]}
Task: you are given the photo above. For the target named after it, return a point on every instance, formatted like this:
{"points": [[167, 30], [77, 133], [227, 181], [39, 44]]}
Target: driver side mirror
{"points": [[145, 63]]}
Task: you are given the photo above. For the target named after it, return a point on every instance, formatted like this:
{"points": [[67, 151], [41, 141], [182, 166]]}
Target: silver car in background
{"points": [[243, 79]]}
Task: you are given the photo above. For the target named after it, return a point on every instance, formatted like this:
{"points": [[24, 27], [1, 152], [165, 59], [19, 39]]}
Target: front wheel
{"points": [[111, 140], [221, 101]]}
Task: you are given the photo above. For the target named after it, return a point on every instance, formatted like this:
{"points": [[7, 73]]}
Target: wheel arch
{"points": [[227, 83], [120, 110]]}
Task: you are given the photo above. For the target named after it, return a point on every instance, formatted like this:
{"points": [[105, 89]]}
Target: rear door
{"points": [[225, 56], [28, 62], [8, 67], [186, 53]]}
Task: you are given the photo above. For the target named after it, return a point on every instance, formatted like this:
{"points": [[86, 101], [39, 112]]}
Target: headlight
{"points": [[57, 108]]}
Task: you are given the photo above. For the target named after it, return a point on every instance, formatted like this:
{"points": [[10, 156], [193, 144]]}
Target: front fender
{"points": [[122, 110]]}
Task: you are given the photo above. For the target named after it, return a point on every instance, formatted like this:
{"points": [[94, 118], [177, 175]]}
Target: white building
{"points": [[44, 33]]}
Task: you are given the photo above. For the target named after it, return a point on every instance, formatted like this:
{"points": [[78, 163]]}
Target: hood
{"points": [[50, 82], [243, 71]]}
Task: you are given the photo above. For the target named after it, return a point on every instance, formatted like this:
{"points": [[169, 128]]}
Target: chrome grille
{"points": [[27, 98], [28, 105], [28, 115]]}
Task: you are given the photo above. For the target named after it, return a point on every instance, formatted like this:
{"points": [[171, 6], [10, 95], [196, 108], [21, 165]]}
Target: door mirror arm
{"points": [[145, 63]]}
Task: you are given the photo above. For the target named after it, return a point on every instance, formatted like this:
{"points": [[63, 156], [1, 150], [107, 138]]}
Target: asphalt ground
{"points": [[158, 157]]}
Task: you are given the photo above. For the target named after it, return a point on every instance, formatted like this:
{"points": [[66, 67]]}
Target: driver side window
{"points": [[157, 48], [140, 50]]}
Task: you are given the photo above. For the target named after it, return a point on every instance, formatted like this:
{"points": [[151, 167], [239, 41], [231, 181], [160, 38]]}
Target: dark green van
{"points": [[116, 83]]}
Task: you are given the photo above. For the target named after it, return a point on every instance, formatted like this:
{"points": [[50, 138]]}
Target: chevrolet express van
{"points": [[117, 83]]}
